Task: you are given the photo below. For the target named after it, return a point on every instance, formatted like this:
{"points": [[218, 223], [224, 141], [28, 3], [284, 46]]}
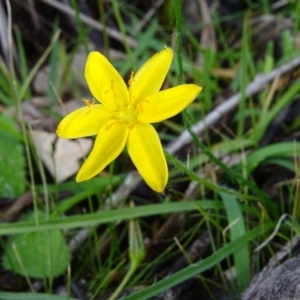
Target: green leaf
{"points": [[32, 296], [267, 117], [8, 126], [197, 268], [37, 254], [237, 228], [103, 217], [12, 162], [279, 150]]}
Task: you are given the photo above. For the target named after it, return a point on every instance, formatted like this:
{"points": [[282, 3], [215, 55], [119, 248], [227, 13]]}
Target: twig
{"points": [[130, 183], [33, 14], [259, 83], [133, 178], [147, 17], [17, 206], [278, 258], [208, 38], [91, 22], [3, 33], [274, 233], [10, 44]]}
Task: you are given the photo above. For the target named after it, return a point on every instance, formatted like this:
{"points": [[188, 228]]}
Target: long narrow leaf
{"points": [[197, 268], [108, 216], [237, 229], [32, 296]]}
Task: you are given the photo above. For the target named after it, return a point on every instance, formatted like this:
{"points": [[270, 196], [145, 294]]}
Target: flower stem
{"points": [[178, 22], [120, 22], [136, 253], [123, 283]]}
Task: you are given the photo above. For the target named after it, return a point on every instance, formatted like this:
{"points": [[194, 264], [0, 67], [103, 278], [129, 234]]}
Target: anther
{"points": [[111, 88], [131, 79], [109, 126], [89, 104], [133, 124], [139, 105]]}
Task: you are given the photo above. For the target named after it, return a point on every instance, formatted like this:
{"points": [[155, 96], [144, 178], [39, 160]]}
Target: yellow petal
{"points": [[150, 77], [168, 103], [108, 145], [85, 121], [146, 152], [104, 81]]}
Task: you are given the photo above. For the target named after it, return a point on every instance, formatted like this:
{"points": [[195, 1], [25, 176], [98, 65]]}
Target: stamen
{"points": [[133, 124], [131, 79], [109, 126], [89, 104], [111, 88], [139, 105]]}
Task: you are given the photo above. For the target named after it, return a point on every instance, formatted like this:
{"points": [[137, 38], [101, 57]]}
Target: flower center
{"points": [[127, 114]]}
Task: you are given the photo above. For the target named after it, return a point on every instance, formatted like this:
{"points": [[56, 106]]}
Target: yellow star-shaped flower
{"points": [[123, 118]]}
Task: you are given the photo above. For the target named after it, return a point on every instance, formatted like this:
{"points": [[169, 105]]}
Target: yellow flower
{"points": [[123, 117]]}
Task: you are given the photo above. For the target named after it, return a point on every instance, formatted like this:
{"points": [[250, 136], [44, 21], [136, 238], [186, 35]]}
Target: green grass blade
{"points": [[178, 21], [199, 267], [37, 66], [32, 296], [192, 175], [22, 59], [285, 149], [237, 229], [288, 97], [93, 219]]}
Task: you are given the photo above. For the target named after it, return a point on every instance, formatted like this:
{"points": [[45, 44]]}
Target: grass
{"points": [[217, 184]]}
